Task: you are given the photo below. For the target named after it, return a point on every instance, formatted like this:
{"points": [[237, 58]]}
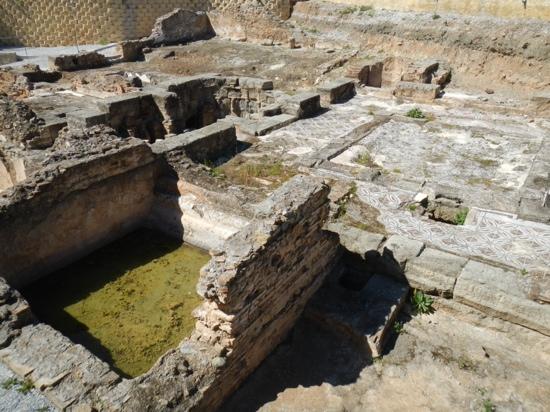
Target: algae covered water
{"points": [[128, 302]]}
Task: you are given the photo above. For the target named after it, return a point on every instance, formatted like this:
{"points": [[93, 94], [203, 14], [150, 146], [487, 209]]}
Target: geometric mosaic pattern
{"points": [[490, 235]]}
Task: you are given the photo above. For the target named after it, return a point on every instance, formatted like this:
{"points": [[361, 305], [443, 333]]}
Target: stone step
{"points": [[366, 315]]}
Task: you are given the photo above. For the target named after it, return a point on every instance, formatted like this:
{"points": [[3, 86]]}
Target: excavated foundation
{"points": [[128, 303]]}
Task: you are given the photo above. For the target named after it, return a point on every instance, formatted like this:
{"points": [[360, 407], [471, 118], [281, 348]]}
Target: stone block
{"points": [[270, 110], [180, 26], [81, 61], [255, 83], [503, 294], [417, 91], [434, 271], [356, 240], [209, 143], [85, 118], [397, 251], [420, 72], [337, 91], [303, 105], [366, 316], [270, 124]]}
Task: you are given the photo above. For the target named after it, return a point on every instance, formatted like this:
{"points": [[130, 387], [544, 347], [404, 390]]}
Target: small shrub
{"points": [[398, 327], [421, 302], [524, 272], [365, 159], [460, 217], [9, 383], [347, 10], [488, 406], [365, 8], [413, 207], [436, 16], [416, 113]]}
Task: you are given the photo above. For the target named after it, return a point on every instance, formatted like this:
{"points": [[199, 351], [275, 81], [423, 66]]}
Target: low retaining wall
{"points": [[532, 9], [72, 208]]}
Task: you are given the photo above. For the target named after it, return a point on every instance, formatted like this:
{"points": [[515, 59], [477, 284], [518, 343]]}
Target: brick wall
{"points": [[65, 22]]}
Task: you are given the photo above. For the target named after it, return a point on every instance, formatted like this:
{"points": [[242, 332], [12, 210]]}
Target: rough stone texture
{"points": [[18, 123], [356, 240], [303, 105], [76, 204], [503, 294], [180, 26], [206, 144], [434, 271], [367, 72], [134, 114], [337, 91], [417, 91], [85, 60], [366, 315], [397, 251], [257, 287], [14, 313]]}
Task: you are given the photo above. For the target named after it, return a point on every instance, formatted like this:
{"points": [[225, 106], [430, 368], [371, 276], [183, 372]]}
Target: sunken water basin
{"points": [[128, 303]]}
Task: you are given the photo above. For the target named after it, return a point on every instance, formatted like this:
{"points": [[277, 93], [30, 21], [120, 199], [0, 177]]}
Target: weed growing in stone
{"points": [[413, 207], [343, 202], [524, 272], [421, 302], [25, 387], [10, 383], [488, 406], [436, 16], [416, 113], [460, 217], [398, 327], [365, 159], [466, 363], [347, 10]]}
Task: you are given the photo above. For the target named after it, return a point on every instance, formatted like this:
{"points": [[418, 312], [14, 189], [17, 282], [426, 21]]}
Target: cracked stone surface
{"points": [[13, 398]]}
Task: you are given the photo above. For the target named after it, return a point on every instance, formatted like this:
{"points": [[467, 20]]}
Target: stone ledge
{"points": [[435, 271], [503, 294]]}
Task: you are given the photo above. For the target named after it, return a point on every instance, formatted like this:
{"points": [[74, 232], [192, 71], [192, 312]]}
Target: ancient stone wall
{"points": [[65, 22], [533, 9], [71, 208], [256, 288]]}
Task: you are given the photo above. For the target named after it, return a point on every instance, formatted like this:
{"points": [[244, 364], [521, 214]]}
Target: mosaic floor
{"points": [[498, 237]]}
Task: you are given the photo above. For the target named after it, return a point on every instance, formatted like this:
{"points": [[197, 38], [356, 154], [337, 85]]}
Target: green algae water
{"points": [[128, 303]]}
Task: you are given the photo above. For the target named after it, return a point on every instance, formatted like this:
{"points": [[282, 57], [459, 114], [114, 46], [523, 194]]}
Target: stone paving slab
{"points": [[435, 271], [503, 294]]}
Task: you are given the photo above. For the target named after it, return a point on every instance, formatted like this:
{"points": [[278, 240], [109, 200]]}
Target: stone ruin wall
{"points": [[77, 205], [255, 287], [67, 22]]}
